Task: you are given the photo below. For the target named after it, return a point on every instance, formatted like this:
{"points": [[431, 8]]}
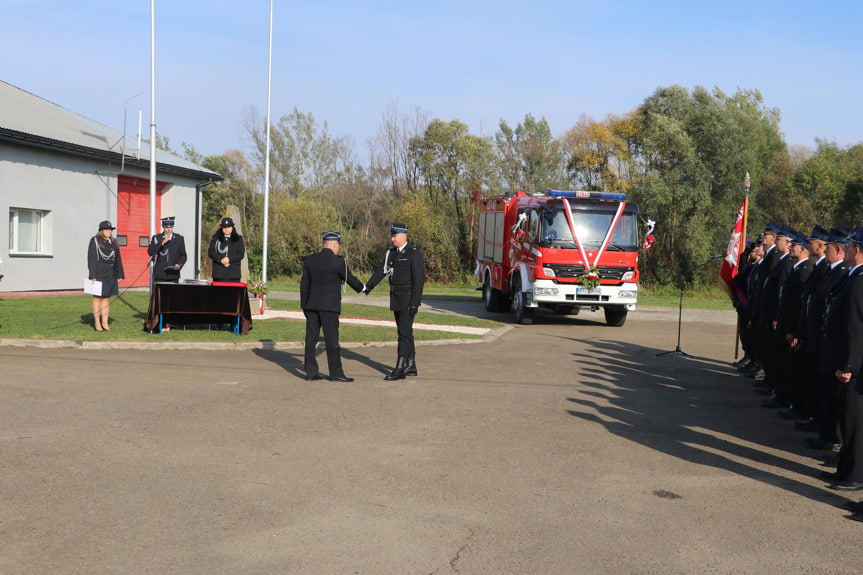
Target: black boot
{"points": [[399, 371], [411, 367]]}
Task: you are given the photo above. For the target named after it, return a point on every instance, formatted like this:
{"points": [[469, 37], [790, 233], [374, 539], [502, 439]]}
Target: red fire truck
{"points": [[565, 250]]}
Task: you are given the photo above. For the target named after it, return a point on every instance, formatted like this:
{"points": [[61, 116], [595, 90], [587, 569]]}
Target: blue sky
{"points": [[479, 62]]}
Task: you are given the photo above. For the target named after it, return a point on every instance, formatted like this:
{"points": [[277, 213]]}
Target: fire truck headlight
{"points": [[627, 293], [628, 276], [546, 291], [548, 272]]}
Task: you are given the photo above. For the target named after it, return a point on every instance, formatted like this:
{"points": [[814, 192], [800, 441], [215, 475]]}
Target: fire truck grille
{"points": [[576, 271]]}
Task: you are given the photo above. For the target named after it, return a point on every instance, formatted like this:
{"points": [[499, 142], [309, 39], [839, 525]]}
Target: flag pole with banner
{"points": [[731, 261]]}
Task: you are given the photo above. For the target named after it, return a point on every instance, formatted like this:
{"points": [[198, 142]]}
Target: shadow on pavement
{"points": [[292, 362], [695, 409]]}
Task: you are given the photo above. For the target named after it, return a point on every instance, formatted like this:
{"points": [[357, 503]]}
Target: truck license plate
{"points": [[588, 291]]}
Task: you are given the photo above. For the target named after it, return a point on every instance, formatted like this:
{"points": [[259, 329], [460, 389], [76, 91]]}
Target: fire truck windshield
{"points": [[590, 227]]}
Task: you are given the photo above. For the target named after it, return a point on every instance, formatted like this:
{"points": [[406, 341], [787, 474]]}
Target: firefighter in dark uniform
{"points": [[227, 251], [849, 304], [789, 387], [762, 335], [404, 265], [321, 300], [774, 345], [167, 251], [827, 329], [805, 333]]}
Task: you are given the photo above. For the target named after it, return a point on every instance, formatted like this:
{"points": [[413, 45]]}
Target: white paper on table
{"points": [[91, 287]]}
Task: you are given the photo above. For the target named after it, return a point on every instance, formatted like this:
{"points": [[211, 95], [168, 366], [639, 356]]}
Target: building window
{"points": [[29, 232]]}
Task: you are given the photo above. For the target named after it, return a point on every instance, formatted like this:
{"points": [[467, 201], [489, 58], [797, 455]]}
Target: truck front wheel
{"points": [[615, 316], [522, 313]]}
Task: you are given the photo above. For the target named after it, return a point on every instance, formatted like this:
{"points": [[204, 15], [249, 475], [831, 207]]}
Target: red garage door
{"points": [[133, 226]]}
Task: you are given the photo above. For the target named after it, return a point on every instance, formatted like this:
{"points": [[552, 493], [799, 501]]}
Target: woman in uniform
{"points": [[105, 265], [227, 251]]}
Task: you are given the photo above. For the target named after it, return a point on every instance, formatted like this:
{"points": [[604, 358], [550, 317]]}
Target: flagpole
{"points": [[743, 244], [745, 214], [267, 154], [152, 129]]}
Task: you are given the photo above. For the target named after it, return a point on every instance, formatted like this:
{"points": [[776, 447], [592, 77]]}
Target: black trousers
{"points": [[770, 355], [405, 326], [746, 336], [329, 320], [831, 401], [807, 393], [850, 465]]}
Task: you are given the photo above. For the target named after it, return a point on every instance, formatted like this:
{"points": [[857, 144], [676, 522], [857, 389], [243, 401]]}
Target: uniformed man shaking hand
{"points": [[404, 265], [321, 300]]}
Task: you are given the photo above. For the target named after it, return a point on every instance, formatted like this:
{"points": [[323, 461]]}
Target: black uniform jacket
{"points": [[104, 264], [768, 306], [172, 253], [791, 298], [770, 259], [850, 301], [807, 324], [235, 252], [827, 312], [753, 289], [406, 280], [321, 284]]}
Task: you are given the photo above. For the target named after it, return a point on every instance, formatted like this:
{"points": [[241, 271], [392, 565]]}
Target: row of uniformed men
{"points": [[802, 331]]}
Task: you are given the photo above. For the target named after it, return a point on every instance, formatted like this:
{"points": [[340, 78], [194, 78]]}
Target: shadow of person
{"points": [[290, 362], [352, 355], [139, 314], [293, 362], [688, 408]]}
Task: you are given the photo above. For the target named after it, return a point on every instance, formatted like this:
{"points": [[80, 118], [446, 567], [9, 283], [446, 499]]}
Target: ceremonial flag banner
{"points": [[732, 254]]}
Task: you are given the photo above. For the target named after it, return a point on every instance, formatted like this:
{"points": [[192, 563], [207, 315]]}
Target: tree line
{"points": [[681, 154]]}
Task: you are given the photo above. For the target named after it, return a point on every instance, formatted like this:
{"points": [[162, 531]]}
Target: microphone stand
{"points": [[677, 350]]}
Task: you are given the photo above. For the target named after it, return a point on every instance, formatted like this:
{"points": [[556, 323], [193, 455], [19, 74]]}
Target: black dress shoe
{"points": [[856, 517], [818, 443], [847, 486], [315, 377], [855, 506], [342, 378]]}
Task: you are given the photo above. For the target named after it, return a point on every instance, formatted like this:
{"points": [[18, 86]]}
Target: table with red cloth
{"points": [[219, 303]]}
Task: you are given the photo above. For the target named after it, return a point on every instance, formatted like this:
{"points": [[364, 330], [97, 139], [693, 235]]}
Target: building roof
{"points": [[27, 119]]}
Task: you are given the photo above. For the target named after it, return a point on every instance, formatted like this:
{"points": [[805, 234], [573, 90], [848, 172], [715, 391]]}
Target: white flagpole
{"points": [[267, 155], [152, 126]]}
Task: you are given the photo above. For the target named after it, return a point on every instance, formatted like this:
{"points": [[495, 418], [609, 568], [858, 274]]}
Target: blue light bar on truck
{"points": [[586, 195]]}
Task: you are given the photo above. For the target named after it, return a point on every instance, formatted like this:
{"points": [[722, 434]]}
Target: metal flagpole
{"points": [[267, 155], [152, 126]]}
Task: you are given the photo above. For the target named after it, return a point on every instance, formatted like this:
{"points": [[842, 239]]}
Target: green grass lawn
{"points": [[70, 318]]}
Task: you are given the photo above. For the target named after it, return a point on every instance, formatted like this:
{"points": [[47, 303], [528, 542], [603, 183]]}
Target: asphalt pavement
{"points": [[562, 447]]}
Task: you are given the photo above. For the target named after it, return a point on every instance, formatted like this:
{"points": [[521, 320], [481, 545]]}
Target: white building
{"points": [[61, 174]]}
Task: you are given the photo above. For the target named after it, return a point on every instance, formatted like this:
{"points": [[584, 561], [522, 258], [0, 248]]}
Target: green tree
{"points": [[599, 156], [529, 158], [452, 162]]}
